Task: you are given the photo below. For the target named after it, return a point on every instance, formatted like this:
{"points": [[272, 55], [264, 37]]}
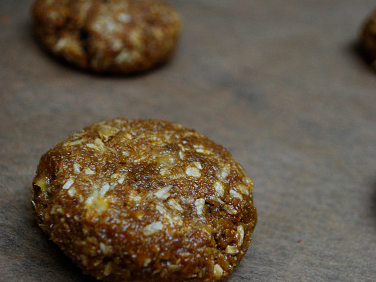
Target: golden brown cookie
{"points": [[368, 38], [113, 36], [145, 200]]}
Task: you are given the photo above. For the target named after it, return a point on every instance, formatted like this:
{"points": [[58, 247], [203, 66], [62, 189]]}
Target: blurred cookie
{"points": [[145, 200], [368, 38], [113, 36]]}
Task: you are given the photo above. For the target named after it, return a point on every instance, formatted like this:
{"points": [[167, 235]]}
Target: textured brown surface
{"points": [[114, 36], [145, 200], [278, 83]]}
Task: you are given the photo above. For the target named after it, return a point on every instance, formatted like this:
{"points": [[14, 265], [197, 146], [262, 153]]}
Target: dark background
{"points": [[281, 84]]}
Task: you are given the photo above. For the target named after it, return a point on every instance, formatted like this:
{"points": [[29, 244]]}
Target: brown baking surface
{"points": [[278, 83]]}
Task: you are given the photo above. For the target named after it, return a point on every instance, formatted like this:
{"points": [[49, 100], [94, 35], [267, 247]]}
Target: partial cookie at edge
{"points": [[368, 39]]}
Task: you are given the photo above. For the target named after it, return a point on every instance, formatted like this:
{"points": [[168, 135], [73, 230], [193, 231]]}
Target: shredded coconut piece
{"points": [[71, 192], [104, 189], [97, 145], [193, 171], [200, 205], [124, 18], [61, 43], [76, 168], [121, 179], [89, 171], [240, 231], [122, 57], [161, 209], [235, 194], [163, 193], [175, 204], [231, 250], [146, 262], [164, 171], [243, 189], [218, 271], [98, 202], [68, 184], [225, 172], [152, 228], [106, 132], [181, 155], [198, 165], [218, 186], [230, 209], [108, 269]]}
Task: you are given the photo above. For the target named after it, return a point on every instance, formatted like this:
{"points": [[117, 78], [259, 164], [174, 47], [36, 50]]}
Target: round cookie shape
{"points": [[112, 36], [368, 38], [145, 200]]}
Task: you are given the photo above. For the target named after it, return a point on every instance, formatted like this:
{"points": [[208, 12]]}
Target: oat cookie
{"points": [[368, 38], [145, 200], [113, 36]]}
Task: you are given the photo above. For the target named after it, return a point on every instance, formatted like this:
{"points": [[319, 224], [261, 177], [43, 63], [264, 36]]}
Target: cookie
{"points": [[113, 36], [368, 38], [145, 200]]}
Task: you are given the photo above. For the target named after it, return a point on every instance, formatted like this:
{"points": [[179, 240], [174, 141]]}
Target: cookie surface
{"points": [[368, 38], [113, 36], [145, 200]]}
